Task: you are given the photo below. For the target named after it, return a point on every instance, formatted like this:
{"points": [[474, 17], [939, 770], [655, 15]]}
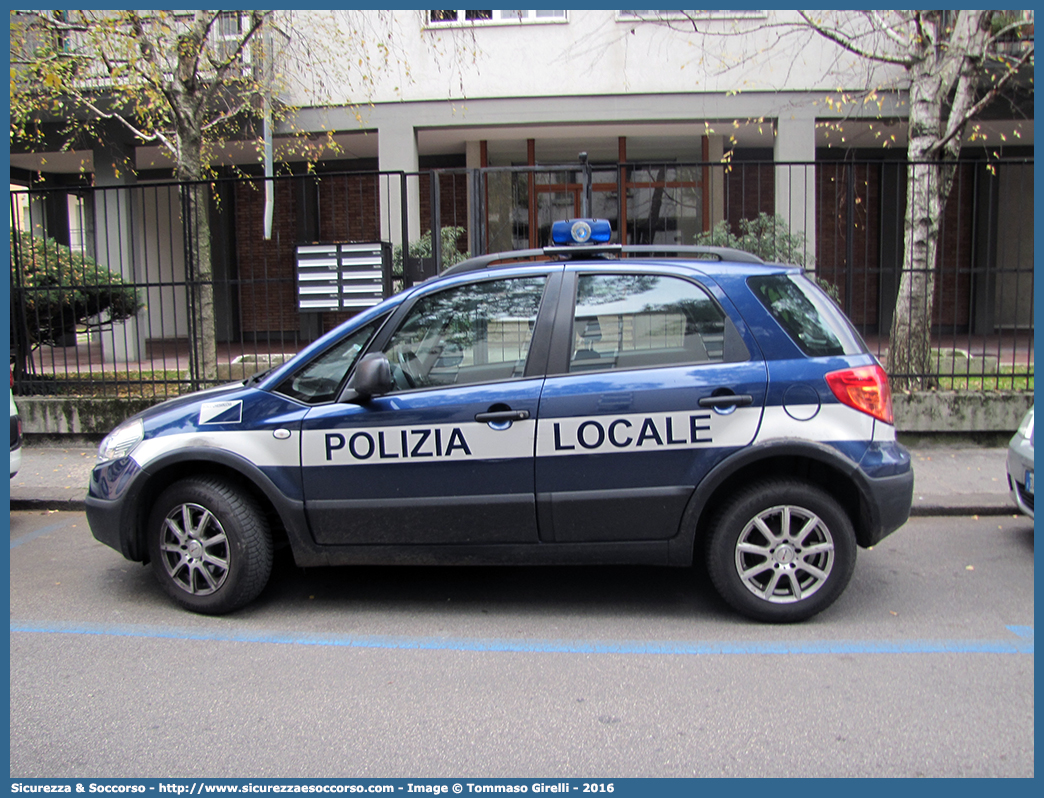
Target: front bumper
{"points": [[110, 507], [1020, 463]]}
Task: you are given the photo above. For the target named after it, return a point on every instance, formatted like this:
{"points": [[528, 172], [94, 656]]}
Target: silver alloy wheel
{"points": [[784, 554], [194, 549]]}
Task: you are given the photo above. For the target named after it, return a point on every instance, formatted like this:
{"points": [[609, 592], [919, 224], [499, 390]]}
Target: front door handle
{"points": [[727, 400], [500, 416]]}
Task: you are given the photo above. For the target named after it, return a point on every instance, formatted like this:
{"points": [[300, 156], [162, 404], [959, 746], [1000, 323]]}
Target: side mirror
{"points": [[372, 377]]}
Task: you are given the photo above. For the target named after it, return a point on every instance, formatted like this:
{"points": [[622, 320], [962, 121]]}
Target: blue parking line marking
{"points": [[1020, 643], [1022, 631], [16, 542]]}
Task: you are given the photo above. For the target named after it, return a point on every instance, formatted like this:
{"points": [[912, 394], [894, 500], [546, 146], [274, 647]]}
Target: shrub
{"points": [[768, 237], [59, 289], [421, 248]]}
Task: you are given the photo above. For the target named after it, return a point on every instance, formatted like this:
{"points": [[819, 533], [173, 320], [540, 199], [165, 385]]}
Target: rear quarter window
{"points": [[807, 315]]}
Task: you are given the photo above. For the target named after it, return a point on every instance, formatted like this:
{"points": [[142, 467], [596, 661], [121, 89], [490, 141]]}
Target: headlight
{"points": [[121, 441]]}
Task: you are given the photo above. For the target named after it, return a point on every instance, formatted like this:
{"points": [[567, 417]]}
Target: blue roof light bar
{"points": [[569, 232]]}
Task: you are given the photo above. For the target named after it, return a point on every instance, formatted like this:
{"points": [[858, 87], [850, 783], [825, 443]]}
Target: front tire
{"points": [[209, 545], [781, 551]]}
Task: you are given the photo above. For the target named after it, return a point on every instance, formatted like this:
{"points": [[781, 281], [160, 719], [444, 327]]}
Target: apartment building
{"points": [[477, 119]]}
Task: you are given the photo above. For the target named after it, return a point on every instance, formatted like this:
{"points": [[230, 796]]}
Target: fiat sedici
{"points": [[594, 404]]}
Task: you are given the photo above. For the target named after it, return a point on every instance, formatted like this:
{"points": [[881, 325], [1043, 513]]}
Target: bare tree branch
{"points": [[957, 124], [155, 136], [880, 24], [846, 43]]}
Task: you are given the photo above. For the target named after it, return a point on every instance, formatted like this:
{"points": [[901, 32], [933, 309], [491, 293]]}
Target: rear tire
{"points": [[209, 545], [781, 551]]}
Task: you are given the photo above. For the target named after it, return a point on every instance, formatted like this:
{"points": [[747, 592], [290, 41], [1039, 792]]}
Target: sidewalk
{"points": [[948, 480]]}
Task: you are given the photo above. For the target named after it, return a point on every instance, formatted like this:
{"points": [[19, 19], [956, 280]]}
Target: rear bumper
{"points": [[888, 500]]}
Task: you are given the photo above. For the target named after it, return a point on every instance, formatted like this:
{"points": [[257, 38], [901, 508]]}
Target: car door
{"points": [[447, 456], [653, 379]]}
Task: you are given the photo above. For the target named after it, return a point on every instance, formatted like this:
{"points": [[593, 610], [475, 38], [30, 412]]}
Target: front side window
{"points": [[470, 334], [320, 381], [641, 320]]}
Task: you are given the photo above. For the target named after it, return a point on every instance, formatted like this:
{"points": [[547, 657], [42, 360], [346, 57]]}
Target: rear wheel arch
{"points": [[815, 465], [780, 550]]}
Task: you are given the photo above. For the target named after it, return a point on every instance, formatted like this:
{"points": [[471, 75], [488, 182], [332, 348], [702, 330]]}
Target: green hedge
{"points": [[60, 289]]}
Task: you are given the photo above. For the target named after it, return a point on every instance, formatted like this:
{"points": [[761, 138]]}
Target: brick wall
{"points": [[267, 293], [750, 189], [953, 282], [953, 278], [453, 202], [835, 211], [346, 209], [349, 208]]}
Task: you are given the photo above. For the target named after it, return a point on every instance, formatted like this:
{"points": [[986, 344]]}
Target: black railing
{"points": [[107, 283]]}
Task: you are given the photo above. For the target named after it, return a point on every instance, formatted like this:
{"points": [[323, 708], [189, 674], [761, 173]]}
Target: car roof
{"points": [[701, 254], [712, 261]]}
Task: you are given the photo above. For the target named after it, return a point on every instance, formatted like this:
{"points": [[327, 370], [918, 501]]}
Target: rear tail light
{"points": [[866, 389]]}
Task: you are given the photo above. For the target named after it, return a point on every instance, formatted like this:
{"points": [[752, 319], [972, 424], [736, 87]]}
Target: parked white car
{"points": [[16, 438], [1020, 465]]}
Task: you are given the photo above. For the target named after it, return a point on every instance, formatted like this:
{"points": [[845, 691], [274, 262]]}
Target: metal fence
{"points": [[109, 284]]}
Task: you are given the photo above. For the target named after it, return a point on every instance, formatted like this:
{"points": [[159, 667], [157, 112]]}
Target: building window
{"points": [[229, 29], [443, 19]]}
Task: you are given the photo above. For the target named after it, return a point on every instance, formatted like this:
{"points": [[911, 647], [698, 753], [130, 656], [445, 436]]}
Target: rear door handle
{"points": [[494, 416], [727, 400]]}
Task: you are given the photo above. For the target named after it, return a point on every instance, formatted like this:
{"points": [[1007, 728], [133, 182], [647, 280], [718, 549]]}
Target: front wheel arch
{"points": [[282, 511], [209, 544]]}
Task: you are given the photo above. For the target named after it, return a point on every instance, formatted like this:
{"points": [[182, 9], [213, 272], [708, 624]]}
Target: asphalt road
{"points": [[923, 668]]}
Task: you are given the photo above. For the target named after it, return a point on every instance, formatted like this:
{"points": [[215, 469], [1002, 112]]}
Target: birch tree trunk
{"points": [[910, 351], [944, 75], [203, 328], [188, 97]]}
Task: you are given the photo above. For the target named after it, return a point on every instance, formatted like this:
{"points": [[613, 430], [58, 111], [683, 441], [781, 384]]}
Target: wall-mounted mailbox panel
{"points": [[340, 276]]}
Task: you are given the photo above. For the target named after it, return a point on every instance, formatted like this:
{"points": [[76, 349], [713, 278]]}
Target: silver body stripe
{"points": [[555, 437], [260, 447], [418, 443], [833, 422]]}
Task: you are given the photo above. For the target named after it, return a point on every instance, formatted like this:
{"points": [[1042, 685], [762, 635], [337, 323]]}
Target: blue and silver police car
{"points": [[603, 404]]}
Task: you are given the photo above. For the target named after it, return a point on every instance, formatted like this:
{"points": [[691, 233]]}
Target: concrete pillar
{"points": [[473, 160], [473, 154], [715, 152], [795, 145], [397, 152], [114, 241]]}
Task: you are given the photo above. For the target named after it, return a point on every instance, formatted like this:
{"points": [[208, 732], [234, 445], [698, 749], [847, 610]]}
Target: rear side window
{"points": [[625, 321], [808, 315]]}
